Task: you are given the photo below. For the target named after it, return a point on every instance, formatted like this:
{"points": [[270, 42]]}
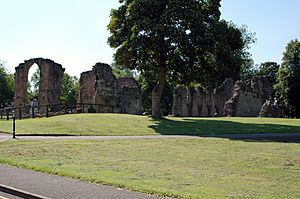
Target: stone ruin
{"points": [[103, 92], [51, 76], [271, 109], [229, 99], [101, 88]]}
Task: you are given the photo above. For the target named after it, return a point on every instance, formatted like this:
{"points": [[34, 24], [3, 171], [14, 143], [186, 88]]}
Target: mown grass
{"points": [[187, 168], [118, 124]]}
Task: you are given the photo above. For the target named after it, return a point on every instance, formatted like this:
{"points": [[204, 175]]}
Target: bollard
{"points": [[47, 111], [20, 113], [14, 127], [7, 114], [32, 112]]}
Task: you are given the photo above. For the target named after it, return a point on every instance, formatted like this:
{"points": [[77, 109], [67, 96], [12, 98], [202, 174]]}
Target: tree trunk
{"points": [[157, 92]]}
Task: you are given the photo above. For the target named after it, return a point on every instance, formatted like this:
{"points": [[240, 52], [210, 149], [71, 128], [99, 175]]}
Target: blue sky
{"points": [[275, 23], [74, 34]]}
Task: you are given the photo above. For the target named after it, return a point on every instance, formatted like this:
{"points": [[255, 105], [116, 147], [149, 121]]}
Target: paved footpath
{"points": [[260, 136], [50, 186]]}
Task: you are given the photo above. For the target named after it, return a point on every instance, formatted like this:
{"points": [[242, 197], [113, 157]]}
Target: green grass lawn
{"points": [[118, 124], [187, 168]]}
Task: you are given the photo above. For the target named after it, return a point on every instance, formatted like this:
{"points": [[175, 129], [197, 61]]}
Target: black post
{"points": [[7, 114], [66, 108], [20, 113], [47, 110], [14, 127], [82, 108], [32, 112]]}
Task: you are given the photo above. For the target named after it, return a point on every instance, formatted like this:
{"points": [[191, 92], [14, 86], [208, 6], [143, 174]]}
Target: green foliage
{"points": [[6, 86], [70, 86], [247, 68], [184, 40], [231, 58], [121, 72], [269, 69], [288, 79], [34, 84], [248, 71]]}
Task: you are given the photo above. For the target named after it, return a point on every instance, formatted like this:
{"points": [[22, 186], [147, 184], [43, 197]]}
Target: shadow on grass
{"points": [[228, 129]]}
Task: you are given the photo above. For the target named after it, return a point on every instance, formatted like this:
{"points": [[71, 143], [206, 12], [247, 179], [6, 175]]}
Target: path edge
{"points": [[20, 193]]}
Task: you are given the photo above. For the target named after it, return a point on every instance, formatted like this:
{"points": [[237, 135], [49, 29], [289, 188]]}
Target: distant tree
{"points": [[6, 86], [34, 84], [183, 40], [288, 79], [121, 72], [269, 69], [70, 86]]}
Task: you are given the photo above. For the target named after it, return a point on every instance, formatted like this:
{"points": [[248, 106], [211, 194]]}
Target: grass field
{"points": [[187, 168], [116, 124]]}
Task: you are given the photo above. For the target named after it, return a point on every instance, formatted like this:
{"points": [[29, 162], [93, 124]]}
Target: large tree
{"points": [[6, 86], [288, 79], [182, 39]]}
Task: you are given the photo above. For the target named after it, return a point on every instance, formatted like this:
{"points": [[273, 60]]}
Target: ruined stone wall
{"points": [[222, 94], [129, 97], [262, 86], [201, 103], [229, 99], [100, 86], [106, 83], [87, 88], [248, 102], [51, 76], [243, 104]]}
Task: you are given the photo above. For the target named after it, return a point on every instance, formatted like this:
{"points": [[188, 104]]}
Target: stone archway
{"points": [[51, 75]]}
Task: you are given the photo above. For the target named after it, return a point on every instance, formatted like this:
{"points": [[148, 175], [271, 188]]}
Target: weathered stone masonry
{"points": [[100, 86], [230, 99], [51, 75]]}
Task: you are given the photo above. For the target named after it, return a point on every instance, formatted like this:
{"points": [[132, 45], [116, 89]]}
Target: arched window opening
{"points": [[33, 82]]}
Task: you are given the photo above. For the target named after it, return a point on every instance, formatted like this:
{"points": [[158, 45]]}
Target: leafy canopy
{"points": [[269, 69], [6, 86], [186, 36], [183, 41], [288, 79]]}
